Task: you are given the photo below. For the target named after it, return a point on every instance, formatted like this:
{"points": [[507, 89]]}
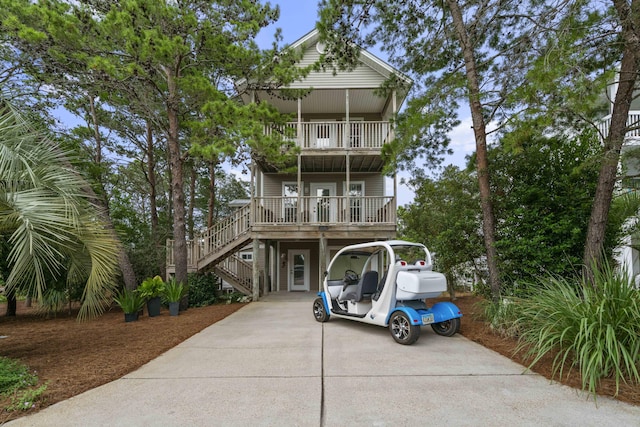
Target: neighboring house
{"points": [[628, 255], [294, 223]]}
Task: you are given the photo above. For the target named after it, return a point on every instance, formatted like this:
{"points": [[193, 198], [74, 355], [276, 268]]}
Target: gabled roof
{"points": [[367, 58]]}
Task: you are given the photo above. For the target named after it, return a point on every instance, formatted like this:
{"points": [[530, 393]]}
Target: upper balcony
{"points": [[324, 144]]}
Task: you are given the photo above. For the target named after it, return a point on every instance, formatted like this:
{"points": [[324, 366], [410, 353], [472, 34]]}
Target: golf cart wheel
{"points": [[402, 330], [319, 311], [448, 328]]}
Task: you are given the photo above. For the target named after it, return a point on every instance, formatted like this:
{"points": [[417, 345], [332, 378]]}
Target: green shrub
{"points": [[501, 316], [151, 287], [203, 289], [18, 384], [129, 301], [595, 329], [173, 291], [14, 375]]}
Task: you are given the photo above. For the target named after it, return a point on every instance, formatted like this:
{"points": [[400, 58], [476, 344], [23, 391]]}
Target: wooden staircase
{"points": [[215, 249]]}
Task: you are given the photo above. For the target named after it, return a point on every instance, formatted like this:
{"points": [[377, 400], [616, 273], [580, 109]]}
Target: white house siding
{"points": [[361, 77]]}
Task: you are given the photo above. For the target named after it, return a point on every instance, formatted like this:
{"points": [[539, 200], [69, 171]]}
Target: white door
{"points": [[323, 202], [299, 270]]}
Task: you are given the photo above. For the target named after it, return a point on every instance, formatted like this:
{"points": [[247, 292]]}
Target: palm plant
{"points": [[53, 228]]}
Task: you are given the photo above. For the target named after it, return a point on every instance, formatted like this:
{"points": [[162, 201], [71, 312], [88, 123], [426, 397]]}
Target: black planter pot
{"points": [[153, 306], [174, 308], [130, 317]]}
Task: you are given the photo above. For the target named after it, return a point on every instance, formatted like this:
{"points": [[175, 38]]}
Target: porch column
{"points": [[252, 194], [266, 274], [392, 216], [301, 144], [347, 208], [255, 282], [323, 259], [347, 131]]}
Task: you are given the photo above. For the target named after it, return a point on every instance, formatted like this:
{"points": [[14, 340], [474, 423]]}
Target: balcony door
{"points": [[323, 202], [324, 134]]}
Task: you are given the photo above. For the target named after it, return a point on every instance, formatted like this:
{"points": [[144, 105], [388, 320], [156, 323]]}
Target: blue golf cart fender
{"points": [[323, 295], [441, 312]]}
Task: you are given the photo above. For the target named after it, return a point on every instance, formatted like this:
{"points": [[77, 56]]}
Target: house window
{"points": [[246, 256]]}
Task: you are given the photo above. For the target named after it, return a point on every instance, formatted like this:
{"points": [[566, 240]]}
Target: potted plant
{"points": [[131, 303], [151, 289], [173, 293]]}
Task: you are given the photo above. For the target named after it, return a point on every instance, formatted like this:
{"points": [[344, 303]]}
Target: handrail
{"points": [[332, 210], [224, 232], [358, 135]]}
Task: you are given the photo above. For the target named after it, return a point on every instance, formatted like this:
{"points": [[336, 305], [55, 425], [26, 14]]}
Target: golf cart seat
{"points": [[366, 287], [380, 287]]}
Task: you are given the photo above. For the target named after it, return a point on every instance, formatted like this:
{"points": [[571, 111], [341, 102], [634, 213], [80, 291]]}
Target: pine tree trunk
{"points": [[482, 162], [153, 203], [177, 190], [629, 68]]}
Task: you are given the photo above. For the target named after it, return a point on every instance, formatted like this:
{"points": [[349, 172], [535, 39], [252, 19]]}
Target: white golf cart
{"points": [[386, 284]]}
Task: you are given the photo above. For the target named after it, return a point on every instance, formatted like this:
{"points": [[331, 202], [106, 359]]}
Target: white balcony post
{"points": [[299, 137], [347, 132], [395, 174], [347, 142]]}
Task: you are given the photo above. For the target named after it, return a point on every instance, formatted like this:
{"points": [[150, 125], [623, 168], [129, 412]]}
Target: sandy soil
{"points": [[72, 357]]}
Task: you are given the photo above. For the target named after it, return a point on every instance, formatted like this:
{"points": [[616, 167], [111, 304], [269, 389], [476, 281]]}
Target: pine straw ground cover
{"points": [[72, 357]]}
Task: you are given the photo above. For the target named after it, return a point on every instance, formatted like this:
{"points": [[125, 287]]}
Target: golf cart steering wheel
{"points": [[350, 277]]}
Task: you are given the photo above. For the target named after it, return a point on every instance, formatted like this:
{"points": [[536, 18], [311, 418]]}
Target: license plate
{"points": [[427, 319]]}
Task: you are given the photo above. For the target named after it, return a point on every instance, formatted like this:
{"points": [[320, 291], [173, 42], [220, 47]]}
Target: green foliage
{"points": [[130, 301], [24, 400], [51, 225], [14, 375], [17, 382], [151, 287], [53, 300], [594, 329], [174, 291], [501, 316], [445, 216], [544, 188], [203, 289]]}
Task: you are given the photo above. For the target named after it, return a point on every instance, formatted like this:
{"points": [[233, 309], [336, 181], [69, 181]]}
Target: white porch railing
{"points": [[336, 135], [633, 123], [285, 211], [325, 210]]}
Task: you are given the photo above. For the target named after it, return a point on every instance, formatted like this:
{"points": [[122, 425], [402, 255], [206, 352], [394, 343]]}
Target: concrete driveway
{"points": [[272, 364]]}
